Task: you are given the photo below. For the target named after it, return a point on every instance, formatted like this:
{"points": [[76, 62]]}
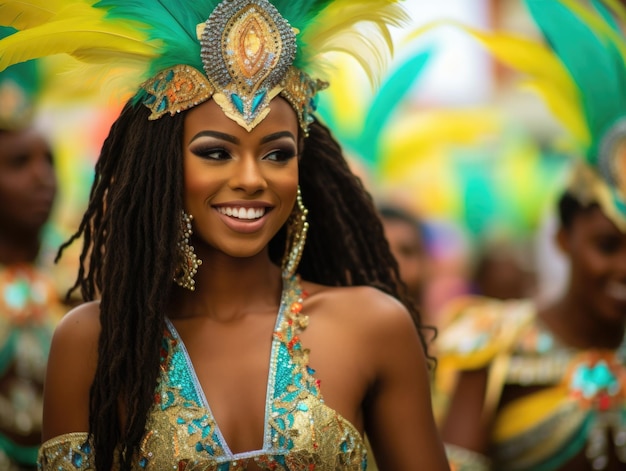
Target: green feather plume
{"points": [[143, 37], [592, 57]]}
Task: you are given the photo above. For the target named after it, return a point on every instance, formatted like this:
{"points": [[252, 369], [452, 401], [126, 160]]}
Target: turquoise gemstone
{"points": [[236, 99]]}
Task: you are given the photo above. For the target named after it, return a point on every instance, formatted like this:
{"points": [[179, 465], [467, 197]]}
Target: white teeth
{"points": [[242, 213], [617, 291]]}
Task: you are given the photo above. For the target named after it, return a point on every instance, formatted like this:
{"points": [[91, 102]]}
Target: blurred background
{"points": [[448, 136]]}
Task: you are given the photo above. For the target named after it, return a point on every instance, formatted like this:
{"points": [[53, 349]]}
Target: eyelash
{"points": [[206, 153], [282, 155]]}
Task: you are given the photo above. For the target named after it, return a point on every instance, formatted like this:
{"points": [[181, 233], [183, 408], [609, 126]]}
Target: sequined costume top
{"points": [[301, 432], [575, 396], [29, 310]]}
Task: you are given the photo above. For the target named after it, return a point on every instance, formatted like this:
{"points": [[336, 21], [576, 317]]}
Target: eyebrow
{"points": [[277, 135], [234, 140], [216, 134]]}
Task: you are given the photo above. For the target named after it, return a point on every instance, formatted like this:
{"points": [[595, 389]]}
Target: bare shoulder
{"points": [[70, 372], [372, 308], [373, 325], [82, 320], [77, 333]]}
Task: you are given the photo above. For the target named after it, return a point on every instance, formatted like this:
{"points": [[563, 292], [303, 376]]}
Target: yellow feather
{"points": [[523, 54], [333, 31], [80, 31], [566, 110], [23, 14], [547, 73]]}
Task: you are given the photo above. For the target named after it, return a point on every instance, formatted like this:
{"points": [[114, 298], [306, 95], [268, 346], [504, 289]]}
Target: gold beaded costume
{"points": [[301, 432], [578, 394]]}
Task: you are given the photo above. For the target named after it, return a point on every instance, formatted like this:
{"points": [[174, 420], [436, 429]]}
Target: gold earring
{"points": [[297, 227], [188, 260]]}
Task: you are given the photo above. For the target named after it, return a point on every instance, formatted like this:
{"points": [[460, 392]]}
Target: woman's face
{"points": [[28, 182], [408, 249], [240, 186], [597, 253]]}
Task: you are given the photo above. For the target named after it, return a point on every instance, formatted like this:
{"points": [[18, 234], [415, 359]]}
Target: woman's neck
{"points": [[14, 252], [571, 321], [229, 288]]}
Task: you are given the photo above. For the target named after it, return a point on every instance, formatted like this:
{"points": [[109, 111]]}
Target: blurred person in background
{"points": [[407, 240], [543, 387], [503, 270], [29, 306]]}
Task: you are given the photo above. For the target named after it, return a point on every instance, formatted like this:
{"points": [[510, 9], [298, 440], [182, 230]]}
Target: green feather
{"points": [[391, 94], [299, 13], [25, 74], [606, 14], [168, 20], [593, 62]]}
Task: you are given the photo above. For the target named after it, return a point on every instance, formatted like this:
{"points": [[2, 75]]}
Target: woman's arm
{"points": [[70, 372], [399, 415]]}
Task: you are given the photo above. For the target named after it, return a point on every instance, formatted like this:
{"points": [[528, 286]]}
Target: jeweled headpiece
{"points": [[241, 53]]}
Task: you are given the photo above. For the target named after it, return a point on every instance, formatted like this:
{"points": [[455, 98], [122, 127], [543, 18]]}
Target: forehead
{"points": [[593, 221], [209, 115], [12, 142]]}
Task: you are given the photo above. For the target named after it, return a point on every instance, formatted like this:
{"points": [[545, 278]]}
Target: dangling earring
{"points": [[188, 261], [297, 227]]}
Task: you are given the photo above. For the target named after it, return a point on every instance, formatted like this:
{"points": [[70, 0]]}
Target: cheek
{"points": [[13, 187], [198, 180], [590, 265]]}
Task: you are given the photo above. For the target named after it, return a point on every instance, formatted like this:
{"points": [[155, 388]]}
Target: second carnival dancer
{"points": [[543, 387], [216, 338]]}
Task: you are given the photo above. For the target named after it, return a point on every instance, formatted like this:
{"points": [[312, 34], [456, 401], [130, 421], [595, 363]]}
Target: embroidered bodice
{"points": [[301, 432], [577, 396]]}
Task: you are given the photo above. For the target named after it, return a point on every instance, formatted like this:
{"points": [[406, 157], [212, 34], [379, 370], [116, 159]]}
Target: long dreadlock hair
{"points": [[130, 232]]}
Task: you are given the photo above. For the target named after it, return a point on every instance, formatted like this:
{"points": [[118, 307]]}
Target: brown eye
{"points": [[608, 245], [211, 153], [280, 155]]}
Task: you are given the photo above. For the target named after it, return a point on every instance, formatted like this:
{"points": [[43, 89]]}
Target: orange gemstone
{"points": [[296, 307]]}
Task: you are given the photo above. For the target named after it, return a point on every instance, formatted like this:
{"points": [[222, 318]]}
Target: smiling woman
{"points": [[215, 338]]}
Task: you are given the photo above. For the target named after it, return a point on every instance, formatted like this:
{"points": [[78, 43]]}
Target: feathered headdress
{"points": [[19, 85], [242, 53], [580, 73]]}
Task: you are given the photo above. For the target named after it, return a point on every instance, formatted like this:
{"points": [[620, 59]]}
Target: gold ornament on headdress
{"points": [[247, 51]]}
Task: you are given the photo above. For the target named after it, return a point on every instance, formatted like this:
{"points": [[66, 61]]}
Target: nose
{"points": [[248, 176]]}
